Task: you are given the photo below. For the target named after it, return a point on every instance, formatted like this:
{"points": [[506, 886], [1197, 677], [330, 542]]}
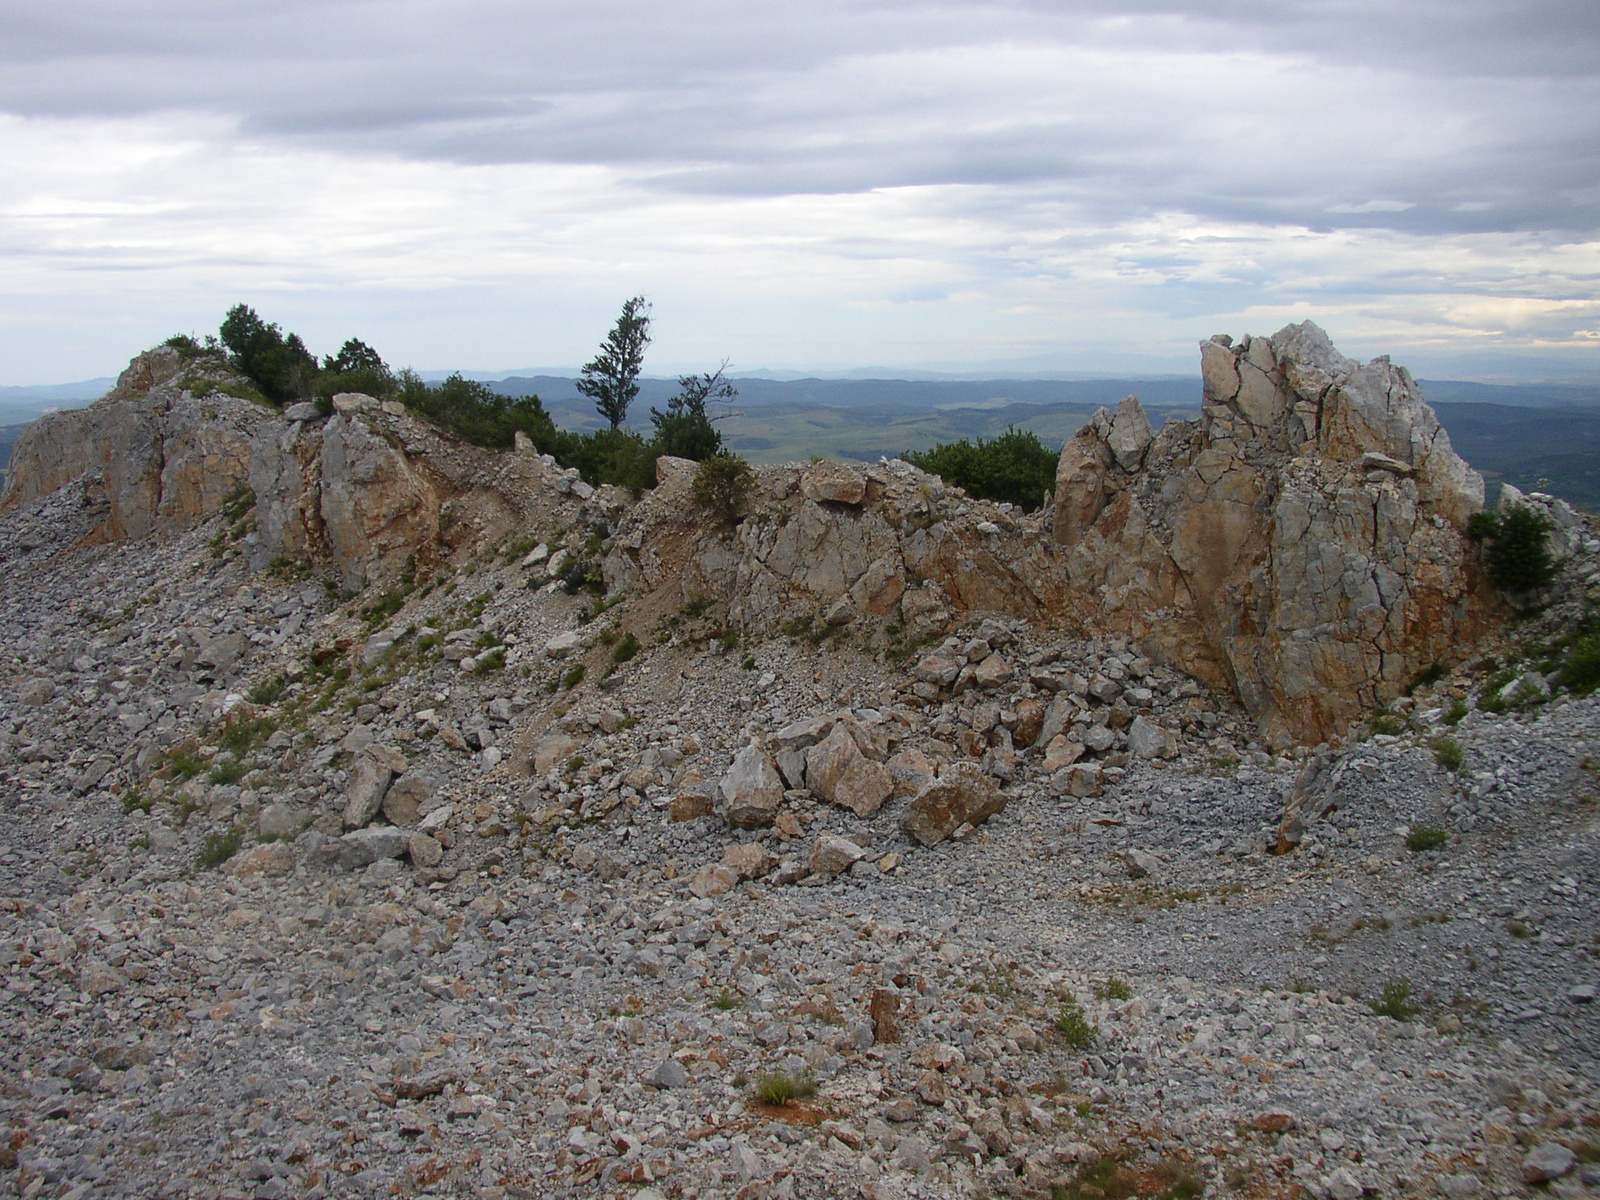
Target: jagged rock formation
{"points": [[1299, 544], [149, 455]]}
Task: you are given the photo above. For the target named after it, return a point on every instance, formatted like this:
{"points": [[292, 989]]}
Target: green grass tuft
{"points": [[780, 1087], [1073, 1024]]}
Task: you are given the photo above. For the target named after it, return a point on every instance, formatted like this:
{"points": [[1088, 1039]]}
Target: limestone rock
{"points": [[833, 855], [751, 790], [839, 773], [962, 795], [364, 847], [369, 780], [275, 859], [833, 482], [404, 797]]}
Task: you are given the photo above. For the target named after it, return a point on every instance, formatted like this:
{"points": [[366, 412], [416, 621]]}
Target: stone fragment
{"points": [[405, 796], [552, 751], [830, 482], [714, 879], [369, 780], [1062, 752], [993, 672], [363, 847], [941, 667], [669, 1073], [837, 771], [1030, 720], [277, 822], [961, 795], [1146, 739], [749, 860], [833, 855], [911, 770], [690, 806], [274, 859], [1082, 780], [1546, 1162], [1141, 863], [752, 790]]}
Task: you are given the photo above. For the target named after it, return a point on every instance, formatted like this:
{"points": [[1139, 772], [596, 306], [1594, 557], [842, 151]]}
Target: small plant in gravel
{"points": [[1072, 1023], [573, 677], [777, 1088], [227, 771], [219, 847], [1115, 988], [1448, 754], [726, 1000], [627, 646], [1395, 1001], [1103, 1179], [1425, 837], [1458, 709], [269, 690], [1383, 722], [1580, 673]]}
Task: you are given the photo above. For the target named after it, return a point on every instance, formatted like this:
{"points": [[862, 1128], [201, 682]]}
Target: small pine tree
{"points": [[611, 378], [1518, 554]]}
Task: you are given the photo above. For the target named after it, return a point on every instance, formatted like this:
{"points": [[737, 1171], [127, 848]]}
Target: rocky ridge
{"points": [[480, 883]]}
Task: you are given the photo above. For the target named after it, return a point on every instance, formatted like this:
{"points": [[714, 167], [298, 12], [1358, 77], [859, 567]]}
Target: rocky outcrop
{"points": [[162, 450], [1299, 544]]}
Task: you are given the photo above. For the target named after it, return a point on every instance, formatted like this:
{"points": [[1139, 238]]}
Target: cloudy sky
{"points": [[481, 183]]}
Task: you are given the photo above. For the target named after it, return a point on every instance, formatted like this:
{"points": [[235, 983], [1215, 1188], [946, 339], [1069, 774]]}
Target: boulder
{"points": [[363, 847], [752, 789], [369, 780], [961, 795], [834, 483], [749, 860], [837, 771], [833, 855], [552, 751], [404, 797]]}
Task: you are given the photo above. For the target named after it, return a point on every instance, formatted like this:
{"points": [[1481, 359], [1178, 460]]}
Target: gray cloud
{"points": [[1471, 115]]}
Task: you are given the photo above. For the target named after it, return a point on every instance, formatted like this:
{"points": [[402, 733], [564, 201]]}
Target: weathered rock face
{"points": [[377, 511], [150, 455], [1299, 544]]}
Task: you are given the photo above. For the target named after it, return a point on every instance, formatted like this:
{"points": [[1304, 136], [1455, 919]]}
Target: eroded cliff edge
{"points": [[1299, 545]]}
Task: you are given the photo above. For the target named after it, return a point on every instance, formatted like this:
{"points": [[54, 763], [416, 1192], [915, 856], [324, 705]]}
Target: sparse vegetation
{"points": [[722, 486], [219, 847], [1447, 752], [777, 1088], [1073, 1024], [1114, 988], [1425, 837], [1395, 1001]]}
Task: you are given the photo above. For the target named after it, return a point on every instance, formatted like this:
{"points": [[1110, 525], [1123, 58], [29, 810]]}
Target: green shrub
{"points": [[1453, 714], [722, 486], [573, 676], [1518, 555], [1580, 673], [684, 430], [1396, 1001], [219, 848], [1015, 466], [1425, 837], [476, 413], [626, 647], [490, 660], [1072, 1023], [780, 1087], [1448, 754]]}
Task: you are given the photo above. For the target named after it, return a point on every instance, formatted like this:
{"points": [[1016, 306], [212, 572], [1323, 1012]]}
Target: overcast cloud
{"points": [[481, 183]]}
